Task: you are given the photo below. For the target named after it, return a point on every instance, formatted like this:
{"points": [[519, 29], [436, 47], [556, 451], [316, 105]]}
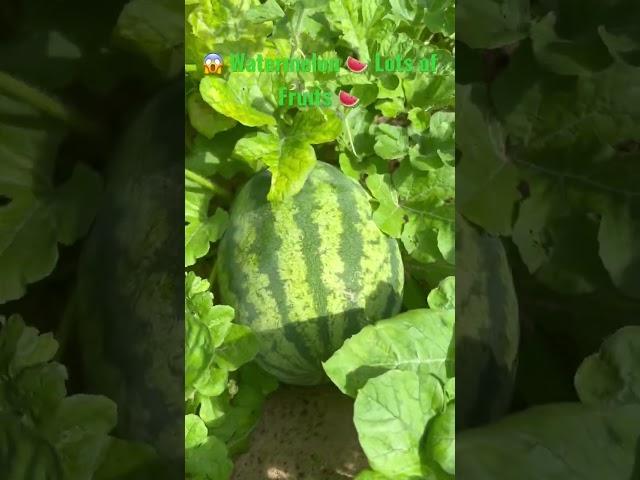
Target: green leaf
{"points": [[124, 460], [235, 98], [518, 94], [442, 129], [582, 55], [205, 119], [316, 125], [22, 347], [258, 148], [534, 444], [201, 232], [205, 329], [357, 136], [619, 251], [75, 203], [357, 21], [430, 91], [544, 233], [417, 341], [39, 390], [403, 402], [265, 12], [427, 198], [391, 142], [233, 416], [389, 215], [389, 108], [240, 346], [492, 23], [40, 214], [419, 119], [225, 27], [450, 389], [35, 406], [28, 245], [79, 429], [444, 296], [610, 376], [16, 436], [440, 443], [213, 157], [195, 431], [440, 17], [289, 173], [214, 345], [156, 30], [208, 461], [487, 182]]}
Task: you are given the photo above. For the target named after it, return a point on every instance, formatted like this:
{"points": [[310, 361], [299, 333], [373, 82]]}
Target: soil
{"points": [[306, 433]]}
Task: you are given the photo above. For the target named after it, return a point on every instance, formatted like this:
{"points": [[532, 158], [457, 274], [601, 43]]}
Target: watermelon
{"points": [[308, 272], [487, 328], [129, 297]]}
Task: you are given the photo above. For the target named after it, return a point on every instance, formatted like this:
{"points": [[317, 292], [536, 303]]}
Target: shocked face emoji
{"points": [[213, 64]]}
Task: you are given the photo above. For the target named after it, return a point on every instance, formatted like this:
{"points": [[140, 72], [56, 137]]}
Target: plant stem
{"points": [[206, 183], [45, 103]]}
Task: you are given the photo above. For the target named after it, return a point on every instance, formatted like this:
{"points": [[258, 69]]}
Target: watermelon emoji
{"points": [[348, 100], [356, 66]]}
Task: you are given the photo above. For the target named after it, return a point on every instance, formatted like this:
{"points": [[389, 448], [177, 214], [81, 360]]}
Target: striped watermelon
{"points": [[129, 299], [308, 272], [487, 327]]}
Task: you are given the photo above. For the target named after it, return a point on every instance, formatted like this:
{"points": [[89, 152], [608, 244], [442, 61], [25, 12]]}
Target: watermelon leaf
{"points": [[240, 346], [235, 98], [35, 213], [505, 448], [404, 402], [610, 376], [154, 29], [206, 457], [389, 215], [418, 341], [221, 405], [258, 149], [292, 168], [204, 119], [439, 443], [59, 433], [201, 232], [317, 125], [443, 297]]}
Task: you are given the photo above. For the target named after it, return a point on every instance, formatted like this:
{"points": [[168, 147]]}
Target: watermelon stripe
{"points": [[328, 221], [311, 241], [277, 370], [251, 285], [238, 280], [351, 247], [277, 287], [394, 299]]}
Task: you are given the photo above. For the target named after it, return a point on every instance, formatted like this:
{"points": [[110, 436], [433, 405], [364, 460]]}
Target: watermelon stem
{"points": [[47, 104], [353, 147], [207, 183]]}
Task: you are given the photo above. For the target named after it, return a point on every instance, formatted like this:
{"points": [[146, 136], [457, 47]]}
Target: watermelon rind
{"points": [[308, 272]]}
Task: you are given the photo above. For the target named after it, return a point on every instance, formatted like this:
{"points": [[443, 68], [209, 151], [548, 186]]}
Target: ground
{"points": [[306, 433]]}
